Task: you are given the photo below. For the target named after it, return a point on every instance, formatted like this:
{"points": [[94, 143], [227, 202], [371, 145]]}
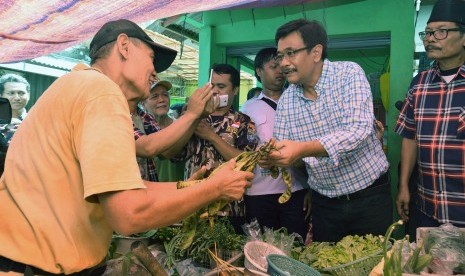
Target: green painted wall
{"points": [[228, 28]]}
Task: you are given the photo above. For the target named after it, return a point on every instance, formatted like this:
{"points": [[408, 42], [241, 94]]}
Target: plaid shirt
{"points": [[434, 115], [341, 119], [146, 165]]}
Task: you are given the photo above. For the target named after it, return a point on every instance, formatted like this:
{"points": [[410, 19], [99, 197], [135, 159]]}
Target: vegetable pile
{"points": [[323, 255], [222, 233]]}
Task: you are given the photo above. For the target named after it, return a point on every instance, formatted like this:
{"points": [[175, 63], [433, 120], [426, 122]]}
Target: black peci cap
{"points": [[110, 31], [448, 11]]}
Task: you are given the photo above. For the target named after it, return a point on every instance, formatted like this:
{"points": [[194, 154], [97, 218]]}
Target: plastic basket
{"points": [[279, 265], [362, 266], [255, 253]]}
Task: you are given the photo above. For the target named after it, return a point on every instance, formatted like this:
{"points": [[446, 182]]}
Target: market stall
{"points": [[220, 251]]}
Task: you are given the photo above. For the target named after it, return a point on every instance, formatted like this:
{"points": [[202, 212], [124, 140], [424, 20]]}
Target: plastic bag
{"points": [[279, 238], [446, 244], [188, 268], [252, 230]]}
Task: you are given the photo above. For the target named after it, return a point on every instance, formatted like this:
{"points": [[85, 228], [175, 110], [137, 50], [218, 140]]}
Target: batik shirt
{"points": [[145, 124], [341, 119], [434, 115], [10, 130], [236, 129]]}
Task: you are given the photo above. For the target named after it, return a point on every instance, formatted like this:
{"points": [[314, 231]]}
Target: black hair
{"points": [[252, 92], [177, 107], [312, 33], [262, 57], [234, 75]]}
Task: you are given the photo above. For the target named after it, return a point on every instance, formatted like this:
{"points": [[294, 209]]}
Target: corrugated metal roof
{"points": [[55, 62]]}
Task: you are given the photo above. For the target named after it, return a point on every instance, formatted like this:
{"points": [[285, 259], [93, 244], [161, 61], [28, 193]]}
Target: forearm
{"points": [[159, 205], [408, 158], [167, 141], [184, 128], [312, 149]]}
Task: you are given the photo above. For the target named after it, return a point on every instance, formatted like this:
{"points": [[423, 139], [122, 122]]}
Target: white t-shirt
{"points": [[263, 184]]}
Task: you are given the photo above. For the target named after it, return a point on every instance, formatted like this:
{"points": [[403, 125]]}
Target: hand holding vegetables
{"points": [[288, 153], [246, 162]]}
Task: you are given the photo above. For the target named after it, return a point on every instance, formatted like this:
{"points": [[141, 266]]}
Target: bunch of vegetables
{"points": [[246, 161], [222, 234], [165, 234], [323, 255], [393, 261]]}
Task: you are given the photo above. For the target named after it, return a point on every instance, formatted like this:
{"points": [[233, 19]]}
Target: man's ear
{"points": [[122, 45], [259, 72], [317, 52], [236, 90]]}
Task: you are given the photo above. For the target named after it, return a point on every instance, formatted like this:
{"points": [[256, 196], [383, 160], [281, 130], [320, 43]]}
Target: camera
{"points": [[222, 100]]}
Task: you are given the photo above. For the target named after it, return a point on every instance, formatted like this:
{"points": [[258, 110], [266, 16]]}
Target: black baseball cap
{"points": [[110, 31], [448, 11]]}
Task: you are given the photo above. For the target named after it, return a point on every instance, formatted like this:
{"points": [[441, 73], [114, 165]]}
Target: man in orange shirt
{"points": [[71, 176]]}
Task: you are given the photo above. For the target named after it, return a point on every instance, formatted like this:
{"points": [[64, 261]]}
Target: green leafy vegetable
{"points": [[322, 255]]}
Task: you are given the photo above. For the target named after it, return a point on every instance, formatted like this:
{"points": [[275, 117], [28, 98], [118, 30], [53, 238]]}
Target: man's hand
{"points": [[286, 154], [379, 130], [204, 130], [402, 202], [230, 183], [200, 101], [199, 174]]}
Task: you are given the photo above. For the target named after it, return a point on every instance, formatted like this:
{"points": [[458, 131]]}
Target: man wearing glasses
{"points": [[325, 117], [432, 123]]}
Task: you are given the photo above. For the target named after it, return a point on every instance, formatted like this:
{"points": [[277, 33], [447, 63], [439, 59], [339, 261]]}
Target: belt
{"points": [[7, 265], [372, 189]]}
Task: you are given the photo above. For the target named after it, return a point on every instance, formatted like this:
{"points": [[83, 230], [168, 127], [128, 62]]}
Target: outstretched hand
{"points": [[286, 154], [230, 183]]}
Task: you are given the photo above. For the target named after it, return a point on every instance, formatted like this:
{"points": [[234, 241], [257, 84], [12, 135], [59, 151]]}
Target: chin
{"points": [[293, 80], [161, 112]]}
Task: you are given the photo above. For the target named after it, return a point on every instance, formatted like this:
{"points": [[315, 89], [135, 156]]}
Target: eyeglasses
{"points": [[289, 54], [439, 34]]}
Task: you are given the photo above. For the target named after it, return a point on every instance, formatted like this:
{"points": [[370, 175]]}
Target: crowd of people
{"points": [[98, 153]]}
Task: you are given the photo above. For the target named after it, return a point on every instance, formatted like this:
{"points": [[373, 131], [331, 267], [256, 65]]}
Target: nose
{"points": [[284, 63], [15, 96], [154, 76], [215, 90], [429, 37], [160, 99]]}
